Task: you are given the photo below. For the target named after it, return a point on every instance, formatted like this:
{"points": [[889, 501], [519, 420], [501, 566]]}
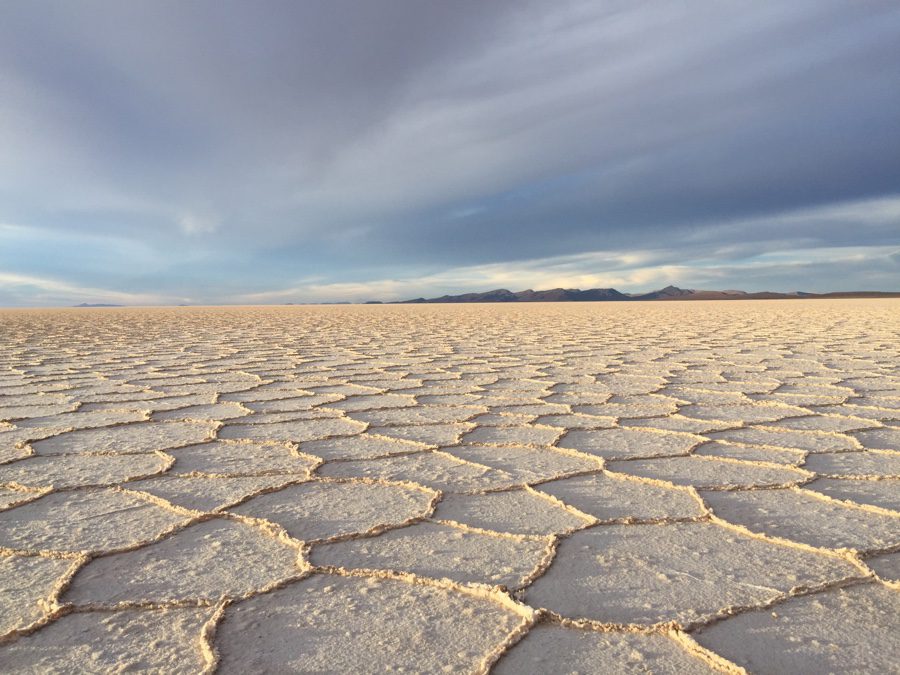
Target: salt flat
{"points": [[600, 487]]}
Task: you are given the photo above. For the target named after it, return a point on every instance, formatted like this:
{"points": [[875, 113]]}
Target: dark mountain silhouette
{"points": [[570, 295], [553, 295], [498, 295], [663, 294]]}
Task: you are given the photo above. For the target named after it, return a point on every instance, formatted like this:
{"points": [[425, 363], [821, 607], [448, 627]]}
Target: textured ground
{"points": [[665, 487]]}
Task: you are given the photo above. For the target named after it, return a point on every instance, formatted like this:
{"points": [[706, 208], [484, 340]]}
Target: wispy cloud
{"points": [[24, 290], [871, 268]]}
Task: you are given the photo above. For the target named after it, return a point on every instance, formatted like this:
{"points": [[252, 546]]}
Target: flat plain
{"points": [[574, 487]]}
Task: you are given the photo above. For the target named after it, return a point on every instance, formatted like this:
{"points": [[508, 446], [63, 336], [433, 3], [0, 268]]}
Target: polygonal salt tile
{"points": [[677, 423], [130, 640], [833, 423], [550, 648], [526, 464], [125, 397], [439, 551], [583, 397], [870, 463], [686, 572], [502, 420], [345, 389], [805, 400], [18, 412], [699, 395], [749, 413], [84, 420], [89, 520], [449, 392], [429, 434], [579, 388], [290, 405], [517, 511], [39, 399], [883, 493], [361, 446], [379, 379], [886, 566], [422, 414], [808, 385], [207, 560], [872, 383], [751, 453], [712, 381], [748, 386], [11, 497], [26, 586], [844, 630], [512, 435], [355, 625], [293, 432], [865, 411], [624, 443], [138, 437], [156, 405], [456, 397], [808, 441], [523, 407], [517, 384], [67, 471], [207, 389], [261, 419], [374, 402], [13, 444], [224, 458], [631, 384], [18, 384], [232, 380], [205, 493], [432, 469], [800, 515], [318, 510], [271, 391], [887, 438], [711, 472], [211, 412], [576, 421], [631, 406], [161, 381], [610, 497]]}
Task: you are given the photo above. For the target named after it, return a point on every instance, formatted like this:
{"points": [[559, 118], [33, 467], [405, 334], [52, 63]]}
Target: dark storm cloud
{"points": [[205, 150]]}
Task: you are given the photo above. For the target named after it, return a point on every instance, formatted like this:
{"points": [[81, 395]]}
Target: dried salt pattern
{"points": [[674, 487]]}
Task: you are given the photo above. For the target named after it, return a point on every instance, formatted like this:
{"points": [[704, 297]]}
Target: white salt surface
{"points": [[679, 487]]}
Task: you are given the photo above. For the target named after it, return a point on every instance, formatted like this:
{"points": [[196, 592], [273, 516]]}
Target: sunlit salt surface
{"points": [[600, 487]]}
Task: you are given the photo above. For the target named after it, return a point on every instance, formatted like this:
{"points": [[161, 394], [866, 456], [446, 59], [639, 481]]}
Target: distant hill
{"points": [[553, 295], [612, 295], [96, 304]]}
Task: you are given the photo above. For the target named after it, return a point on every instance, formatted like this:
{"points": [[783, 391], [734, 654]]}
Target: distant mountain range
{"points": [[612, 295]]}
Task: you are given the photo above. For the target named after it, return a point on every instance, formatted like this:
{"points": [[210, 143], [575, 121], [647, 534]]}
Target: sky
{"points": [[219, 152]]}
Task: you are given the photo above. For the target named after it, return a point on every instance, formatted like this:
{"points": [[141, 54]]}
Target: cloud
{"points": [[19, 289], [230, 149], [864, 268], [192, 223], [795, 261]]}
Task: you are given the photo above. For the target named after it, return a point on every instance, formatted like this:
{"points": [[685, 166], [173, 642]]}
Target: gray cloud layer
{"points": [[210, 151]]}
